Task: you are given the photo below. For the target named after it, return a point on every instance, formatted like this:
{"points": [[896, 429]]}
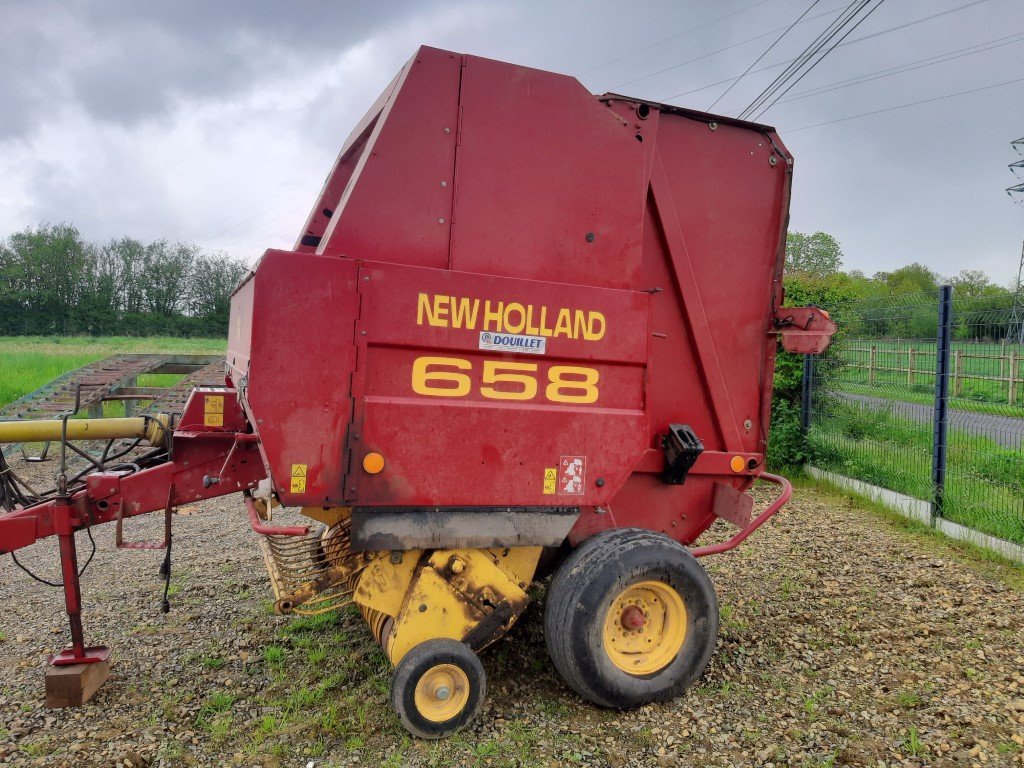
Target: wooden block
{"points": [[73, 685]]}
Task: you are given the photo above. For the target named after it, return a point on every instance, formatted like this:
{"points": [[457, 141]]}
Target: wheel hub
{"points": [[442, 693], [645, 627], [633, 617]]}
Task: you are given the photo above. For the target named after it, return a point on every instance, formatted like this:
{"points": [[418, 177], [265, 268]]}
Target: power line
{"points": [[669, 39], [766, 51], [720, 50], [805, 55], [782, 84], [263, 212], [930, 61], [904, 106], [841, 45]]}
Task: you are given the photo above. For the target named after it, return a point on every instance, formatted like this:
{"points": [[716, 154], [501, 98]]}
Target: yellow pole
{"points": [[152, 429]]}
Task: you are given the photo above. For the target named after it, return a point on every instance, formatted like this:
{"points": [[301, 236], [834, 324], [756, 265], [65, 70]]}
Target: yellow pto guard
{"points": [[153, 429]]}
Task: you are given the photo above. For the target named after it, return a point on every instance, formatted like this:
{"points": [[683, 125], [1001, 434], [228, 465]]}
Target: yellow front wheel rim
{"points": [[645, 627], [442, 693]]}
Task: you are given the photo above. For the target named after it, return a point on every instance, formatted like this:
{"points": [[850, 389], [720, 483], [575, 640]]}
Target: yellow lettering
{"points": [[579, 326], [514, 317], [441, 310], [517, 326], [427, 380], [563, 326], [423, 308], [464, 312], [492, 316], [544, 330], [595, 319], [530, 327]]}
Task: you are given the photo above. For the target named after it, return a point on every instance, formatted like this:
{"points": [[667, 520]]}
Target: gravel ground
{"points": [[848, 638]]}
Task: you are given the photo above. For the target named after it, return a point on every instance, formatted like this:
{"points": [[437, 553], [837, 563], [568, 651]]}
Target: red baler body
{"points": [[642, 244], [509, 292]]}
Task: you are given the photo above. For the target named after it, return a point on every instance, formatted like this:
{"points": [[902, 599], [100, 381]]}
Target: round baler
{"points": [[525, 331]]}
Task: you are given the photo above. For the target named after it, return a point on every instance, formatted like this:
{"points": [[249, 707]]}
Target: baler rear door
{"points": [[483, 391]]}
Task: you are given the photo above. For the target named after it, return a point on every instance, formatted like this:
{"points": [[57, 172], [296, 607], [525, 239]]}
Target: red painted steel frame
{"points": [[472, 186]]}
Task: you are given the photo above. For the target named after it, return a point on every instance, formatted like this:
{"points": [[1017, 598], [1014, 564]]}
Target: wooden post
{"points": [[910, 366], [871, 363], [956, 373], [129, 405], [1014, 359]]}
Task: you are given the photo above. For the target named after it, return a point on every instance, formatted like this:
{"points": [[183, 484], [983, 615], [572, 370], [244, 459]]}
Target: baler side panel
{"points": [[475, 425], [297, 397], [715, 217], [550, 182], [398, 202]]}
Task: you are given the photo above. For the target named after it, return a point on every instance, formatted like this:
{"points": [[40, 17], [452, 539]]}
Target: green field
{"points": [[979, 372], [29, 362], [984, 484]]}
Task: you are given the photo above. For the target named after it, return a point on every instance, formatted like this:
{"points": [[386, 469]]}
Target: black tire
{"points": [[581, 596], [426, 657]]}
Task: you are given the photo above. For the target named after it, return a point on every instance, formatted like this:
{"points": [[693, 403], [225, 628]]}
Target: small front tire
{"points": [[438, 687]]}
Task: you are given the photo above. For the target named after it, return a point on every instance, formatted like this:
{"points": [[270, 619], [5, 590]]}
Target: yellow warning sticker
{"points": [[298, 478], [550, 480], [213, 411]]}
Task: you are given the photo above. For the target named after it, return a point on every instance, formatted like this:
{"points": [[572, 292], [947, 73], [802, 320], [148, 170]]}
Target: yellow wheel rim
{"points": [[442, 693], [645, 627]]}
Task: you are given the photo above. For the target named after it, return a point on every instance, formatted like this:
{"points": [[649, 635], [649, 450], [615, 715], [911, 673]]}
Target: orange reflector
{"points": [[373, 462], [736, 463]]}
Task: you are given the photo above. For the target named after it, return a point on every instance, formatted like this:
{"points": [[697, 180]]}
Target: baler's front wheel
{"points": [[630, 617], [438, 687]]}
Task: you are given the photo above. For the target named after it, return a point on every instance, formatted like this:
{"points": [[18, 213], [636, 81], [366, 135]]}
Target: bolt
{"points": [[440, 221], [599, 482], [457, 565], [442, 693], [447, 130], [748, 424], [423, 607], [772, 160], [444, 183], [590, 237], [713, 126]]}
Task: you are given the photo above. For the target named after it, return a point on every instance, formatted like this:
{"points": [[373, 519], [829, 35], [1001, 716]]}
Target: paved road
{"points": [[1005, 430]]}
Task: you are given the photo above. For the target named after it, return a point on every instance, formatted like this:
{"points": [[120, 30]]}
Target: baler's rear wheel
{"points": [[631, 617], [438, 687]]}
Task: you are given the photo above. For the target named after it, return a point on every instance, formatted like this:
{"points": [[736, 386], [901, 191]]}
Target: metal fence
{"points": [[922, 394]]}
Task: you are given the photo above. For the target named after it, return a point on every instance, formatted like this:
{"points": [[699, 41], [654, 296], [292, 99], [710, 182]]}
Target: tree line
{"points": [[898, 303], [53, 281]]}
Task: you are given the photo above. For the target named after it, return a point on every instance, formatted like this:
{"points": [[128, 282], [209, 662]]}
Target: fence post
{"points": [[1014, 370], [805, 395], [940, 421], [872, 354], [910, 366]]}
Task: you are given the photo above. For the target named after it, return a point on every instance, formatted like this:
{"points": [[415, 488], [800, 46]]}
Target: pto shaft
{"points": [[151, 429]]}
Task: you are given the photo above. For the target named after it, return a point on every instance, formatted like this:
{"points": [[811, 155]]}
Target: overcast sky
{"points": [[217, 121]]}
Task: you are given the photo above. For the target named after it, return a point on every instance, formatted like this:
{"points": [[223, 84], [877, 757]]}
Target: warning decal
{"points": [[213, 411], [550, 480], [298, 478], [571, 473]]}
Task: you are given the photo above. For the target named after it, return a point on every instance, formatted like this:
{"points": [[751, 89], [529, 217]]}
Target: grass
{"points": [[29, 362], [984, 484], [973, 387]]}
